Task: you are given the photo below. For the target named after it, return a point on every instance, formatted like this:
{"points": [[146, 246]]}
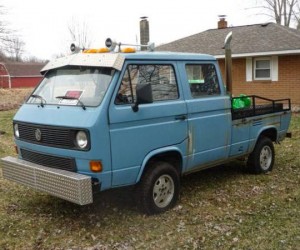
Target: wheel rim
{"points": [[163, 191], [265, 157]]}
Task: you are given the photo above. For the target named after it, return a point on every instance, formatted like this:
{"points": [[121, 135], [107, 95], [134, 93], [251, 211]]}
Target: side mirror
{"points": [[143, 95]]}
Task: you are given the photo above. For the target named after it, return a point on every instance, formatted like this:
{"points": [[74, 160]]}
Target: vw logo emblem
{"points": [[38, 134]]}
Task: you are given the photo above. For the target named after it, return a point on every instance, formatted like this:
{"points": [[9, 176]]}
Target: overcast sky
{"points": [[42, 24]]}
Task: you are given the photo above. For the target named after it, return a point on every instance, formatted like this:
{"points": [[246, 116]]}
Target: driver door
{"points": [[154, 126]]}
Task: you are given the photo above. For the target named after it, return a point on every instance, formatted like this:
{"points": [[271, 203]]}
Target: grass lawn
{"points": [[219, 208]]}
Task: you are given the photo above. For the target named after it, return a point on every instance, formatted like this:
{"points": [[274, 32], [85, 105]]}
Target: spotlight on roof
{"points": [[110, 44], [74, 48]]}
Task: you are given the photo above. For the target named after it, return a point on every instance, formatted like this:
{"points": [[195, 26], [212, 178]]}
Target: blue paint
{"points": [[200, 130]]}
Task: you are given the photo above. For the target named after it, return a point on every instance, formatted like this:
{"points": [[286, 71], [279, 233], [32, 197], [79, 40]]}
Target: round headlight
{"points": [[81, 139], [16, 129]]}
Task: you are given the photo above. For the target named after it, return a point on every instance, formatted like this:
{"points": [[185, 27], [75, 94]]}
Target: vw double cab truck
{"points": [[99, 121]]}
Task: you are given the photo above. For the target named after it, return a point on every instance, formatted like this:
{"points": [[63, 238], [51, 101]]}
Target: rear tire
{"points": [[261, 160], [158, 189]]}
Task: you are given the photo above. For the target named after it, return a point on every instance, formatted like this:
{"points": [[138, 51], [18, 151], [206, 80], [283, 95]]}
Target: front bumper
{"points": [[70, 186]]}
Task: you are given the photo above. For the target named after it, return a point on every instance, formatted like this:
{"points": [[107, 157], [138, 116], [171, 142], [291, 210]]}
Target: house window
{"points": [[262, 69]]}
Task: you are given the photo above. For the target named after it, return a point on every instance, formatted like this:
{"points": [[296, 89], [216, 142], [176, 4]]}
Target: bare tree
{"points": [[297, 15], [11, 46], [282, 11], [34, 59], [4, 30], [79, 32], [15, 48]]}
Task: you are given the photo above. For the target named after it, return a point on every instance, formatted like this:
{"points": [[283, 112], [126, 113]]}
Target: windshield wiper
{"points": [[43, 101], [72, 98]]}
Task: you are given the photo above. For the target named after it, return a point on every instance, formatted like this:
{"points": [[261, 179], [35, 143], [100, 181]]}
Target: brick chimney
{"points": [[144, 32], [222, 24]]}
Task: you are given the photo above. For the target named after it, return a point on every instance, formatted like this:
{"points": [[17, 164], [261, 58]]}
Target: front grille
{"points": [[50, 136], [49, 160]]}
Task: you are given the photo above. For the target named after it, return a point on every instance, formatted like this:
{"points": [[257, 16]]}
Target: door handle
{"points": [[180, 117]]}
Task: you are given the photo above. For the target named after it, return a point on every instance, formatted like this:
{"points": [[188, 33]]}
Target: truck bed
{"points": [[260, 106]]}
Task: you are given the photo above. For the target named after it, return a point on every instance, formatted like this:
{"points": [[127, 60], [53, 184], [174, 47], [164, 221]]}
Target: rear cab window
{"points": [[203, 80]]}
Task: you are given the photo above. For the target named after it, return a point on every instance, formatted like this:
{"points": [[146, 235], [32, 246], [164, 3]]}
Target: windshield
{"points": [[73, 86]]}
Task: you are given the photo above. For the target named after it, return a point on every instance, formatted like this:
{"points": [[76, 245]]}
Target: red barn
{"points": [[20, 75]]}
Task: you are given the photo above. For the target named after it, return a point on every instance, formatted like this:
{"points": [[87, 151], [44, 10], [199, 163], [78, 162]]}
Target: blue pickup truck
{"points": [[101, 120]]}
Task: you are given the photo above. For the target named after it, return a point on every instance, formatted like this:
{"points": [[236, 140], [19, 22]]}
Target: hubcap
{"points": [[265, 157], [163, 191]]}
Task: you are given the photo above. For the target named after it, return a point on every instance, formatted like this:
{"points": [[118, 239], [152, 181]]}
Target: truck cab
{"points": [[104, 120]]}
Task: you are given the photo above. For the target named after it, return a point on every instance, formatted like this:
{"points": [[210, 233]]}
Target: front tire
{"points": [[158, 189], [261, 160]]}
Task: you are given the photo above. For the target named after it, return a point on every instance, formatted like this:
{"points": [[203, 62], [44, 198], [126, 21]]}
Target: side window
{"points": [[203, 80], [161, 77]]}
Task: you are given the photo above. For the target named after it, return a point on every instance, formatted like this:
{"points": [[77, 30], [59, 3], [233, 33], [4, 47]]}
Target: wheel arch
{"points": [[269, 132], [170, 154]]}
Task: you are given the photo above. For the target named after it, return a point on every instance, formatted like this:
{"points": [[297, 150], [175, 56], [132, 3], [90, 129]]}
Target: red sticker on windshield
{"points": [[74, 93]]}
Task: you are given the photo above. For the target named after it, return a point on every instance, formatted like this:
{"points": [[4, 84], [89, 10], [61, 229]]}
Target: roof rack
{"points": [[111, 45]]}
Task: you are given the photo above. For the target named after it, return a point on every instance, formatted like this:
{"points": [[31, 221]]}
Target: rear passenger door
{"points": [[154, 126], [209, 114]]}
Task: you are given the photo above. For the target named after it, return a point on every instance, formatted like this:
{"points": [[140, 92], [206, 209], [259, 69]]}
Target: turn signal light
{"points": [[96, 166]]}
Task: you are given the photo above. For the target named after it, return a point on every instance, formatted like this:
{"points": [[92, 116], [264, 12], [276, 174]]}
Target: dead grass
{"points": [[219, 208], [13, 98]]}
